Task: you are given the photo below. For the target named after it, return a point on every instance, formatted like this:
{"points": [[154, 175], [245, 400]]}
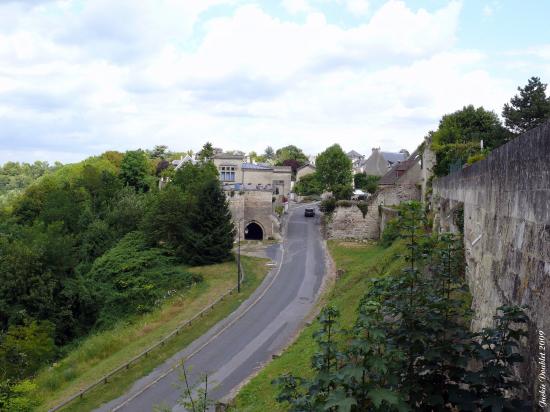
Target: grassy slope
{"points": [[104, 351], [359, 262]]}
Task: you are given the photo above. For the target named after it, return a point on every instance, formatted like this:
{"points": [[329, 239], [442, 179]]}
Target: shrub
{"points": [[327, 206], [279, 210], [363, 207], [344, 203], [476, 158], [390, 233], [134, 277]]}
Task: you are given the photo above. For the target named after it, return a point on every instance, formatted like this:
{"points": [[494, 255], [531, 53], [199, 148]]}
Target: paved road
{"points": [[240, 344]]}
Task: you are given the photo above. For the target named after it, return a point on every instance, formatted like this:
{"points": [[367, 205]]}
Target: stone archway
{"points": [[253, 231]]}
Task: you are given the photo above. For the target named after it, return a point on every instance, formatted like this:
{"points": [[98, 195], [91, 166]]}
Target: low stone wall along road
{"points": [[236, 347]]}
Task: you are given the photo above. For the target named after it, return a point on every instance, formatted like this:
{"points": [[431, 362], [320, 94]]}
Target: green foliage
{"points": [[475, 158], [290, 152], [134, 278], [528, 109], [366, 182], [410, 347], [159, 152], [167, 217], [209, 232], [363, 207], [327, 206], [458, 137], [471, 125], [191, 177], [453, 155], [390, 233], [308, 185], [15, 396], [279, 210], [15, 177], [207, 152], [134, 170], [37, 280], [335, 172], [344, 203], [24, 348], [269, 153]]}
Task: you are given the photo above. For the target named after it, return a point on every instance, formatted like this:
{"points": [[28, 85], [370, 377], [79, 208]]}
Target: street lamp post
{"points": [[239, 273], [239, 261]]}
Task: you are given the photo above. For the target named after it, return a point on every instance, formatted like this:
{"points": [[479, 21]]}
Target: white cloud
{"points": [[74, 81], [358, 7], [297, 6]]}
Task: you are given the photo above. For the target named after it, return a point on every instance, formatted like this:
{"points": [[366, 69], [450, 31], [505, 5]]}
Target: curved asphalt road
{"points": [[237, 346]]}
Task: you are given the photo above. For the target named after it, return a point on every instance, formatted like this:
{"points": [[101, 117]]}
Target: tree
{"points": [[190, 177], [134, 170], [209, 233], [366, 182], [158, 152], [24, 348], [294, 165], [207, 152], [458, 138], [335, 171], [290, 152], [528, 109], [166, 219], [269, 153], [309, 185], [471, 125]]}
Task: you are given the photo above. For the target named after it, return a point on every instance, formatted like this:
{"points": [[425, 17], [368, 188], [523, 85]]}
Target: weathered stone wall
{"points": [[349, 223], [254, 206], [427, 165], [506, 201]]}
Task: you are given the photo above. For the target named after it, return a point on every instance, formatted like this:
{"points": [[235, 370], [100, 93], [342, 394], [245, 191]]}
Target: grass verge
{"points": [[104, 351], [359, 261]]}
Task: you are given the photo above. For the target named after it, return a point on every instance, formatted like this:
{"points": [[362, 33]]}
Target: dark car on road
{"points": [[309, 212]]}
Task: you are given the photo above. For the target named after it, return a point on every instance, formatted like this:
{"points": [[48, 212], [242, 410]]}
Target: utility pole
{"points": [[239, 260]]}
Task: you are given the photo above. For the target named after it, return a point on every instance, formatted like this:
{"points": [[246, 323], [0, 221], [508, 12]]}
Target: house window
{"points": [[227, 173]]}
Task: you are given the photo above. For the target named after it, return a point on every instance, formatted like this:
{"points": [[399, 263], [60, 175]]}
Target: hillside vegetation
{"points": [[91, 244]]}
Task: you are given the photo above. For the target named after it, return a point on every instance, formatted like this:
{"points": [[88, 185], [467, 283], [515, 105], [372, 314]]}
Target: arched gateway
{"points": [[253, 231]]}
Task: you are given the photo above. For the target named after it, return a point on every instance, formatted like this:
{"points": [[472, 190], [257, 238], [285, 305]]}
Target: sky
{"points": [[78, 78]]}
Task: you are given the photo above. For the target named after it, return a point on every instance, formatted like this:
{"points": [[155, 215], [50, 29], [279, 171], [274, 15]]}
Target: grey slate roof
{"points": [[256, 166], [353, 153], [393, 157]]}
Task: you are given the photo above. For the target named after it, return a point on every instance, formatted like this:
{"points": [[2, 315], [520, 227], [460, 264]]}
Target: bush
{"points": [[327, 206], [134, 277], [279, 210], [342, 192], [344, 203], [476, 158], [308, 185], [390, 233]]}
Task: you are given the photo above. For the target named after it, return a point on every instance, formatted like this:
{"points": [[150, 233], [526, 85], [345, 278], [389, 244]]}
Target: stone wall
{"points": [[506, 203], [254, 206], [349, 223]]}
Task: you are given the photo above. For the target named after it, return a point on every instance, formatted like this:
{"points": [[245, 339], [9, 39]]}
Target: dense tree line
{"points": [[15, 176], [93, 243], [459, 136]]}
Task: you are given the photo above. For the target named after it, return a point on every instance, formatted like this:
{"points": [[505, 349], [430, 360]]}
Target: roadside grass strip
{"points": [[103, 352], [357, 262]]}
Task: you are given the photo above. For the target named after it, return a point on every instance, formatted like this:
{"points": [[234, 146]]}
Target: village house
{"points": [[254, 190], [378, 163], [305, 170]]}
